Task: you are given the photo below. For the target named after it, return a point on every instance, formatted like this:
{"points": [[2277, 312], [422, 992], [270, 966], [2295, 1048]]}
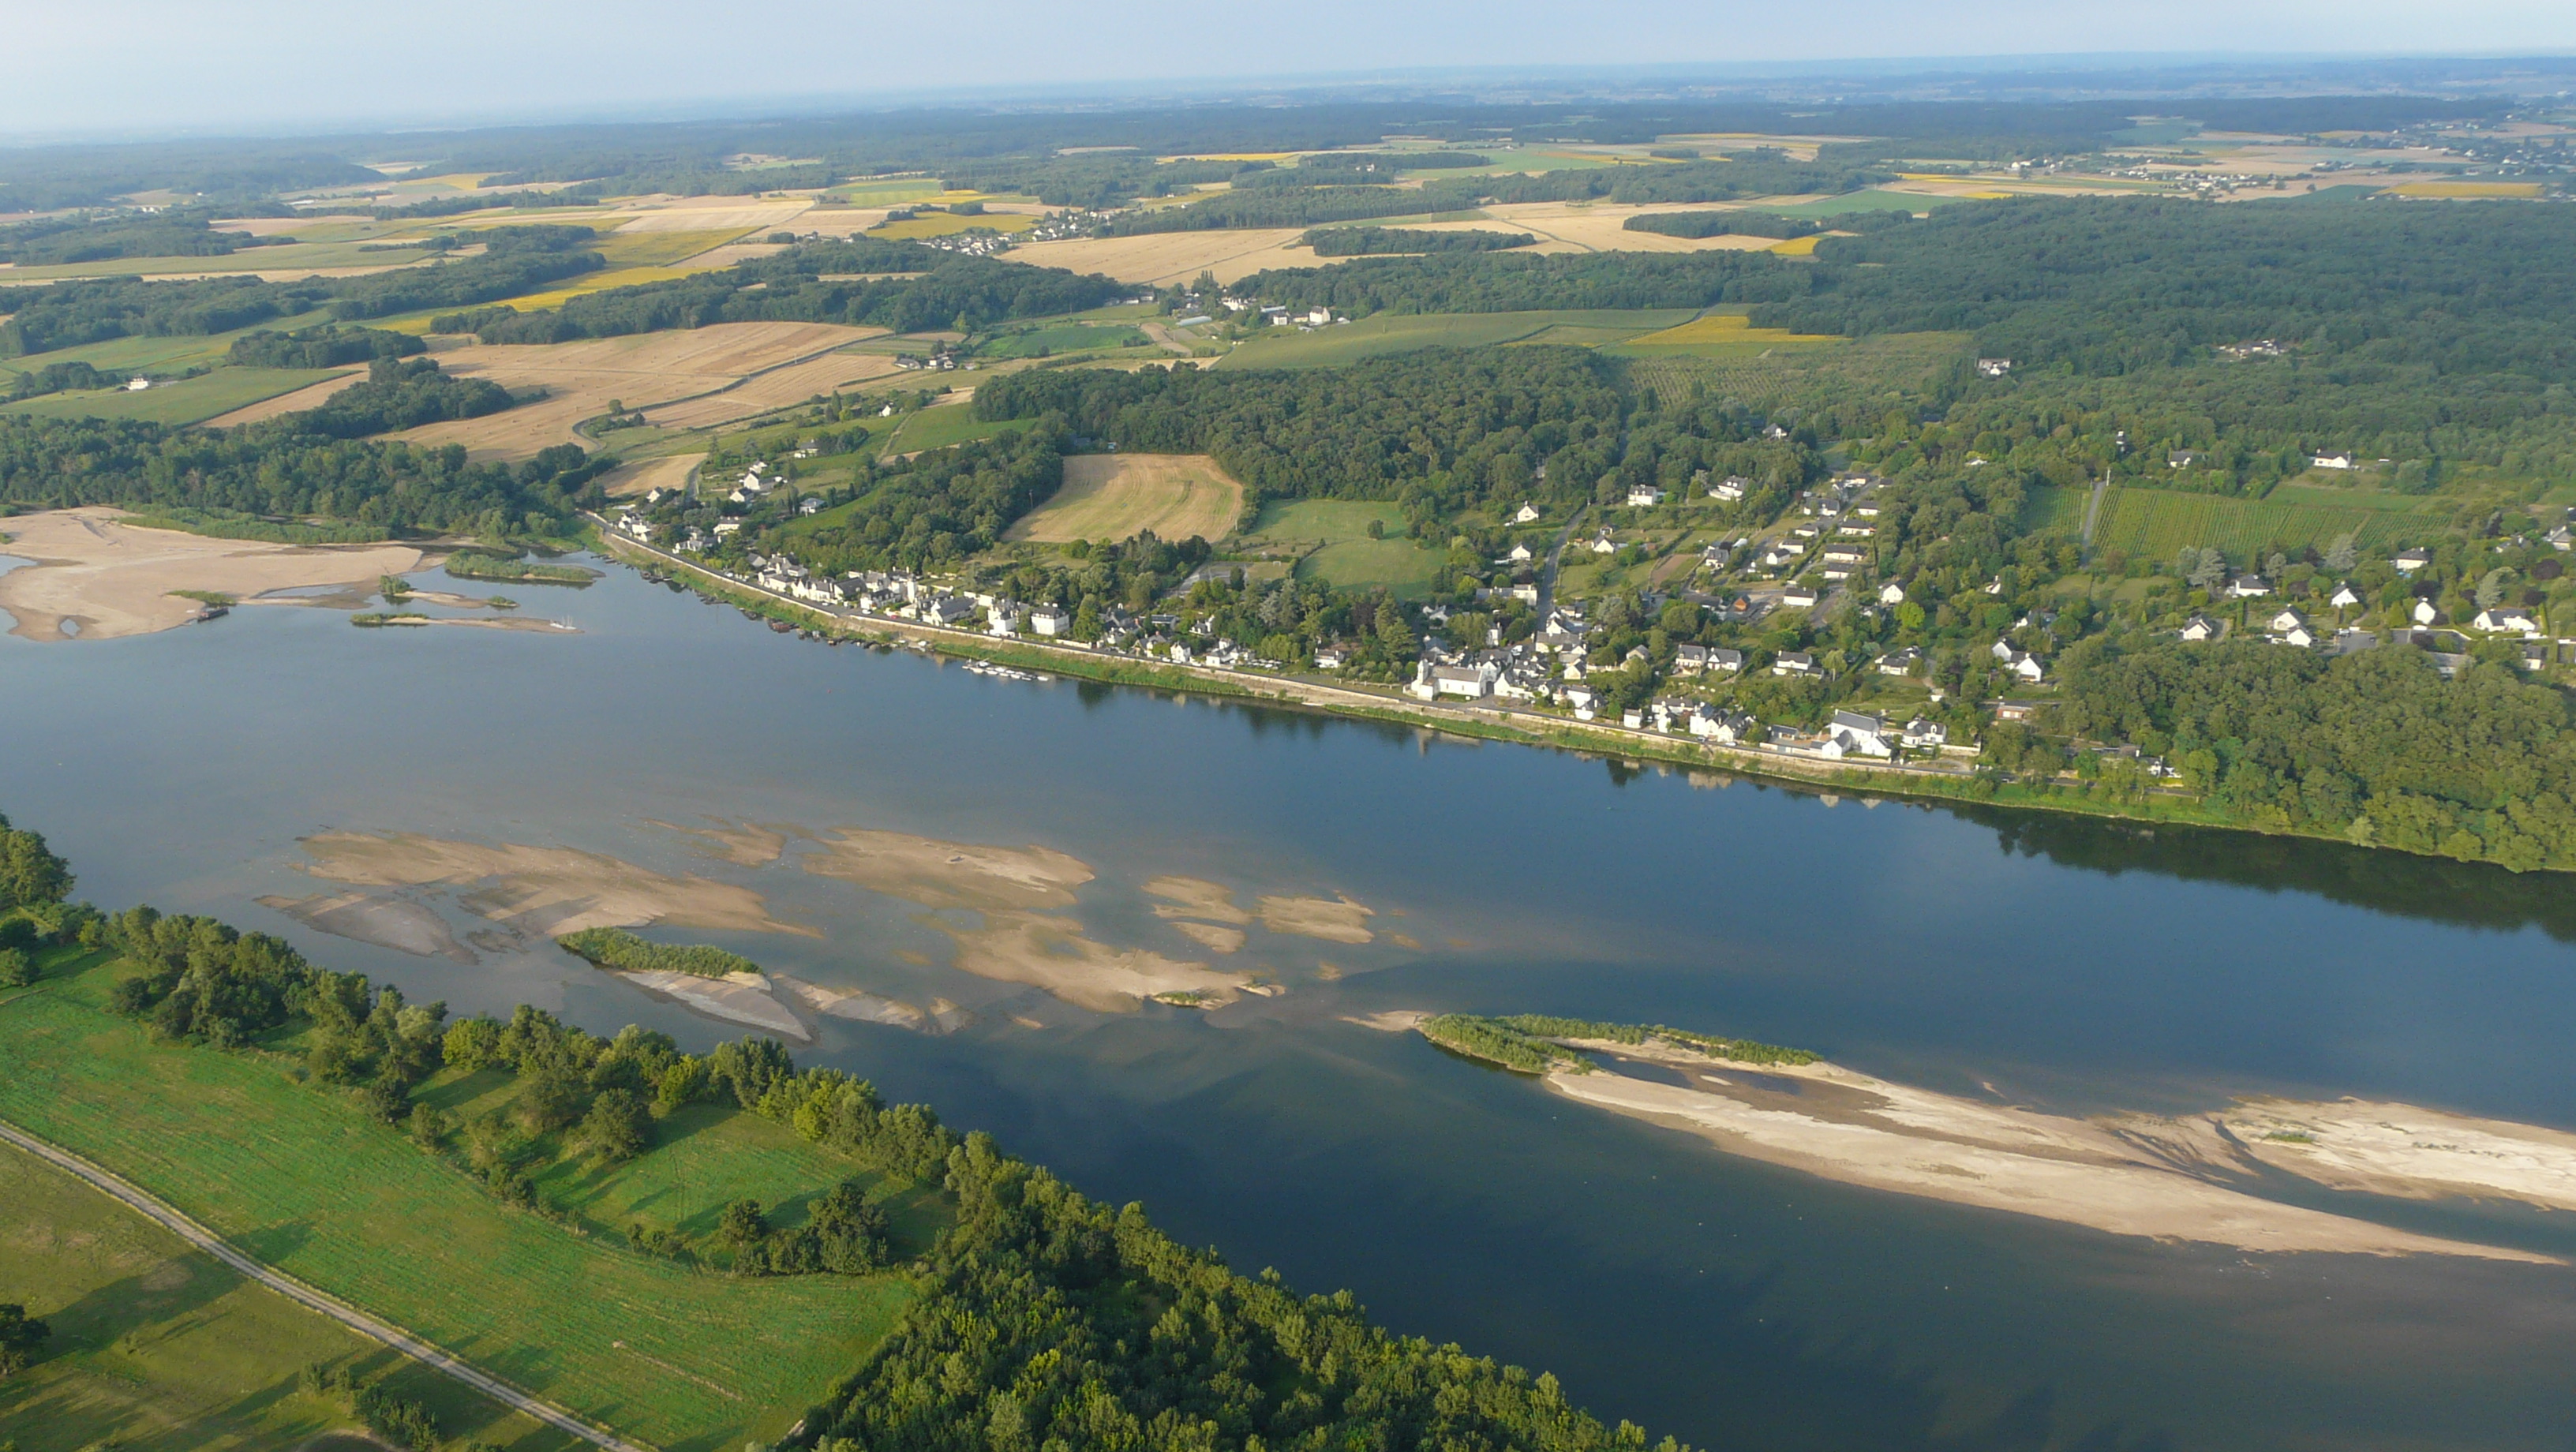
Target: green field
{"points": [[190, 400], [157, 1344], [942, 426], [1861, 201], [2050, 507], [1399, 565], [1327, 521], [1056, 338], [1386, 333], [293, 259], [1811, 375], [2157, 523], [158, 355], [301, 1179]]}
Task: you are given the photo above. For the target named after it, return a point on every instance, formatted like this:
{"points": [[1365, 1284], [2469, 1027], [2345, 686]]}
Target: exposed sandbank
{"points": [[109, 578], [1337, 920], [742, 998], [942, 1017], [542, 891], [948, 874], [381, 918], [1196, 897], [746, 845], [2182, 1179], [1051, 953]]}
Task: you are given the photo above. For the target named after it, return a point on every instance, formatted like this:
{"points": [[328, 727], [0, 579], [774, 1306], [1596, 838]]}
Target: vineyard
{"points": [[2156, 524], [1812, 379]]}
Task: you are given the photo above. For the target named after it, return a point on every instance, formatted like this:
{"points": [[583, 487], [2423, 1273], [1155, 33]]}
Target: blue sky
{"points": [[204, 65]]}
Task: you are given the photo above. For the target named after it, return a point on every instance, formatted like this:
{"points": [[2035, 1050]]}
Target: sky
{"points": [[162, 66]]}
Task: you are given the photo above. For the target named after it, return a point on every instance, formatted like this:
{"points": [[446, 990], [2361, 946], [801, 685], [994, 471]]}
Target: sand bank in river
{"points": [[1337, 920], [381, 918], [948, 874], [1051, 953], [107, 578], [2187, 1178], [542, 891], [745, 846], [742, 998], [1196, 897], [942, 1017]]}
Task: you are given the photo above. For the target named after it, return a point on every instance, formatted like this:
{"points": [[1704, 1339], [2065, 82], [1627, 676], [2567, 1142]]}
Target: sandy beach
{"points": [[96, 577], [948, 874], [742, 998], [541, 891], [2180, 1179]]}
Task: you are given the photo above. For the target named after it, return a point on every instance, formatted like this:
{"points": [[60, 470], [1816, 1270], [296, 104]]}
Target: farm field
{"points": [[1117, 496], [944, 424], [1385, 333], [304, 1181], [646, 475], [283, 263], [1050, 339], [1871, 200], [158, 355], [1175, 257], [640, 371], [778, 388], [1341, 554], [1718, 335], [948, 224], [1402, 567], [157, 1344], [2157, 523], [187, 401], [1764, 378], [312, 395]]}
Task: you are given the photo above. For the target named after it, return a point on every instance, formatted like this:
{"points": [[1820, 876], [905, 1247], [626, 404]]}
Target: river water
{"points": [[2073, 966]]}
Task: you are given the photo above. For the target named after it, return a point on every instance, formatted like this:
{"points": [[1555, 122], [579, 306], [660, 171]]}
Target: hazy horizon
{"points": [[161, 68]]}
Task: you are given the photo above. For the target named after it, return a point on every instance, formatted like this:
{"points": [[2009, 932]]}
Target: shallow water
{"points": [[2053, 962]]}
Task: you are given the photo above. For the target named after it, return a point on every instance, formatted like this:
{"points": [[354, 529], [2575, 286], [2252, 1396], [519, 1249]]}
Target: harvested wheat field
{"points": [[778, 388], [1117, 496], [640, 371], [1598, 227], [712, 214], [312, 395], [642, 477], [1162, 257]]}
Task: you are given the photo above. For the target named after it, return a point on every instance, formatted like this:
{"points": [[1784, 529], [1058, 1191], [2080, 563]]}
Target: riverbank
{"points": [[1482, 722]]}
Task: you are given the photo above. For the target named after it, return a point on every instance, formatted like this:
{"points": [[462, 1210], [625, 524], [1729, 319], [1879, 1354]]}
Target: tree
{"points": [[17, 970], [618, 1128], [29, 873], [742, 1224], [20, 1338]]}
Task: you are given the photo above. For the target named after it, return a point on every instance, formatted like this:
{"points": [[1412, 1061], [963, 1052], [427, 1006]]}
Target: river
{"points": [[2070, 965]]}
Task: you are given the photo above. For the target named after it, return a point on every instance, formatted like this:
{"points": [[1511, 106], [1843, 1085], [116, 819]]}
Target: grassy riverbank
{"points": [[304, 1180]]}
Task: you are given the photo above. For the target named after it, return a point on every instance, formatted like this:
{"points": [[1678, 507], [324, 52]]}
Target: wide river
{"points": [[2053, 963]]}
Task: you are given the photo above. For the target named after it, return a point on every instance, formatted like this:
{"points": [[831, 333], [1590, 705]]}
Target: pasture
{"points": [[160, 355], [944, 425], [312, 395], [2157, 523], [1118, 496], [157, 1344], [187, 401], [641, 371], [300, 1178], [1051, 339], [949, 224], [1901, 363], [1339, 552], [1385, 333]]}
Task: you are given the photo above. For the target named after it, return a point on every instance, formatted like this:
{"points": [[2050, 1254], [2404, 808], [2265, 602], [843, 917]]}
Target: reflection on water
{"points": [[1733, 1304]]}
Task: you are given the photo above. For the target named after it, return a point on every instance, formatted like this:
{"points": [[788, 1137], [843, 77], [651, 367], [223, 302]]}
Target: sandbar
{"points": [[542, 891], [1052, 954], [742, 998], [942, 1017], [381, 918], [746, 845], [949, 874], [108, 578], [2173, 1179], [1215, 937], [1196, 897], [1337, 920]]}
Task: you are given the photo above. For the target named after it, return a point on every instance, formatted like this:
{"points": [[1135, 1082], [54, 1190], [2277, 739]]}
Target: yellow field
{"points": [[2465, 189], [641, 371], [1168, 257], [660, 246], [777, 388], [309, 396], [596, 282], [945, 224], [1795, 246], [647, 475], [1724, 328], [1117, 496]]}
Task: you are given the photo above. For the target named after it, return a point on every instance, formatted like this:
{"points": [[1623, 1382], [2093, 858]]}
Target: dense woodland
{"points": [[402, 393], [54, 241], [826, 282], [936, 509], [1376, 241], [1720, 224], [1507, 282], [328, 346]]}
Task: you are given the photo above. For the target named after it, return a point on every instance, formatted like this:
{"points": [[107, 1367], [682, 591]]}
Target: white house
{"points": [[1730, 488], [2424, 613], [1473, 682], [2409, 561], [1520, 552], [1725, 661], [1993, 367], [1900, 662], [2507, 620], [2299, 635], [1693, 658], [2246, 586], [2200, 627], [1050, 620], [1798, 597], [2344, 597], [1526, 514], [1723, 728], [1852, 733], [1603, 544], [1645, 496], [1793, 663], [2332, 461], [1891, 593], [2287, 620], [1920, 733]]}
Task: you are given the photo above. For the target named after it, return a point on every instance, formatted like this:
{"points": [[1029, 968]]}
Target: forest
{"points": [[1507, 283], [328, 346], [401, 393], [282, 469], [1375, 241], [53, 241], [935, 509], [1720, 224], [824, 282]]}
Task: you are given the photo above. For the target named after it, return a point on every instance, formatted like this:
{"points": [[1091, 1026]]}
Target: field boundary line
{"points": [[152, 1207]]}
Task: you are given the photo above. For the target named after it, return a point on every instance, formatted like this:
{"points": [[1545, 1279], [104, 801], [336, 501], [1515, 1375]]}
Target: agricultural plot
{"points": [[646, 475], [1340, 552], [302, 1180], [1160, 258], [1118, 496], [188, 401], [157, 1344], [641, 371], [158, 355], [1901, 363], [312, 395], [1871, 200], [1386, 333], [1718, 335], [949, 224], [2156, 524], [1058, 338], [945, 425], [777, 388], [282, 263], [1399, 566]]}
